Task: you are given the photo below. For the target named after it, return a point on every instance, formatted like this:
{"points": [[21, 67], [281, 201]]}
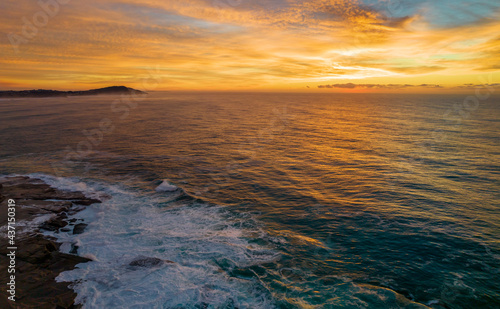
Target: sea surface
{"points": [[272, 200]]}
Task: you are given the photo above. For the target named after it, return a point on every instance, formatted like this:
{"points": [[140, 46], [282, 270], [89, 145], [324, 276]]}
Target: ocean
{"points": [[272, 200]]}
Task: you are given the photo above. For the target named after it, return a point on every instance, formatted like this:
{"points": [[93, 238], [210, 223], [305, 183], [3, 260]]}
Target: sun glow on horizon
{"points": [[249, 45]]}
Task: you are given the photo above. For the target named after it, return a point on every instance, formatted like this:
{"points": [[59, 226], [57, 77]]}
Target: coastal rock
{"points": [[144, 261], [38, 263], [79, 228], [13, 179], [74, 249], [54, 224], [25, 188], [38, 259], [49, 206], [86, 201]]}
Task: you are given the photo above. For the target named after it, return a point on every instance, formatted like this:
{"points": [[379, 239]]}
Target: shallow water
{"points": [[290, 200]]}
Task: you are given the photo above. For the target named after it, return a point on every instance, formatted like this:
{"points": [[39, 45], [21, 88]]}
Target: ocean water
{"points": [[272, 200]]}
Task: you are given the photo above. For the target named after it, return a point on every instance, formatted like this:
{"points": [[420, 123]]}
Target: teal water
{"points": [[286, 200]]}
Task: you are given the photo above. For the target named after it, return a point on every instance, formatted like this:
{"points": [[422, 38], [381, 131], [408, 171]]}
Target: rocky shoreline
{"points": [[38, 259]]}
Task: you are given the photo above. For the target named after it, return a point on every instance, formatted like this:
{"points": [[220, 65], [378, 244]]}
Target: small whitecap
{"points": [[165, 186], [90, 256]]}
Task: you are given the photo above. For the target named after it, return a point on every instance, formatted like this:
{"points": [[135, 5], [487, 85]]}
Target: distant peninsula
{"points": [[39, 93]]}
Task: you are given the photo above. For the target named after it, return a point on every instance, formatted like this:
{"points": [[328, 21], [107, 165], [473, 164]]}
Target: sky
{"points": [[269, 45]]}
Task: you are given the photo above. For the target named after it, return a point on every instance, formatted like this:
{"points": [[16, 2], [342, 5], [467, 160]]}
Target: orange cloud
{"points": [[237, 44]]}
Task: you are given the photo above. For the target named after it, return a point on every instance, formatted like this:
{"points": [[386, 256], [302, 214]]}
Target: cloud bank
{"points": [[243, 44]]}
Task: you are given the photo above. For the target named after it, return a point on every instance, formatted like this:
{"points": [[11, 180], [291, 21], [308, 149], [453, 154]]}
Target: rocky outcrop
{"points": [[38, 260], [33, 189], [38, 263]]}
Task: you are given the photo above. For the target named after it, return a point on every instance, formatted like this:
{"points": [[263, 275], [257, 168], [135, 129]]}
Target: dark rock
{"points": [[2, 198], [201, 305], [74, 249], [79, 228], [25, 188], [38, 261], [40, 197], [35, 249], [143, 261], [28, 209], [86, 201], [53, 224], [16, 179], [146, 262], [50, 206]]}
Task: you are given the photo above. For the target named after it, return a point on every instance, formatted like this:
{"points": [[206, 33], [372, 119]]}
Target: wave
{"points": [[165, 186], [204, 242]]}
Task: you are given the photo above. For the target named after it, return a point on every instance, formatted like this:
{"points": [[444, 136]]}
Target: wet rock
{"points": [[79, 228], [144, 261], [38, 263], [2, 198], [53, 224], [38, 260], [26, 188], [50, 206], [74, 249], [34, 198], [13, 180], [86, 201]]}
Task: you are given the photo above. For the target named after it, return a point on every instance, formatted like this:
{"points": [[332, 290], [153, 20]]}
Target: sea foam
{"points": [[165, 186], [198, 238]]}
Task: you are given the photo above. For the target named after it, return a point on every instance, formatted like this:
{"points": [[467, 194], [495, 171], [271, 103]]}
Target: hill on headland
{"points": [[55, 93]]}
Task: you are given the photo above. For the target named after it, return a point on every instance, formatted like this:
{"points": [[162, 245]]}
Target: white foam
{"points": [[197, 237], [29, 226], [68, 184], [165, 186]]}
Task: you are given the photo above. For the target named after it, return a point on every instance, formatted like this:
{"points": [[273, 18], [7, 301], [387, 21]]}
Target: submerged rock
{"points": [[144, 261]]}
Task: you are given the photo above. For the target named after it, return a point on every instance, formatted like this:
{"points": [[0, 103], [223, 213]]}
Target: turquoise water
{"points": [[285, 200]]}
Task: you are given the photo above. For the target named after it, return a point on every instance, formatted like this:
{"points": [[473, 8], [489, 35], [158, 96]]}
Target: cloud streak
{"points": [[243, 44], [379, 86]]}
